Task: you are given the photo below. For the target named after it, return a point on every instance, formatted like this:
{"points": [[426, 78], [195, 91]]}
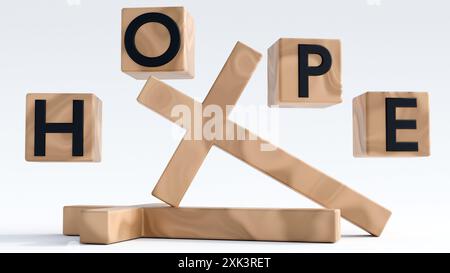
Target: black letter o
{"points": [[152, 17]]}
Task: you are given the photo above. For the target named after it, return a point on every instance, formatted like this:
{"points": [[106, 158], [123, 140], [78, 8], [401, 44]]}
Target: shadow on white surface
{"points": [[37, 240], [11, 241], [357, 236], [47, 242]]}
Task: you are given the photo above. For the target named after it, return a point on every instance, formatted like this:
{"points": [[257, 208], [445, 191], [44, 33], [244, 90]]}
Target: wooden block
{"points": [[110, 225], [190, 154], [158, 42], [391, 124], [304, 73], [63, 127], [72, 216], [276, 163], [115, 224], [294, 225]]}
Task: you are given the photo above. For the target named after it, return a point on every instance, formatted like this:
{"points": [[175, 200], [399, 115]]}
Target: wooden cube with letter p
{"points": [[158, 42], [63, 127], [304, 73], [391, 124]]}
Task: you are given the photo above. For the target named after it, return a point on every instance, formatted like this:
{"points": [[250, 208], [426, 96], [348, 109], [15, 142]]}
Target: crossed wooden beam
{"points": [[126, 222]]}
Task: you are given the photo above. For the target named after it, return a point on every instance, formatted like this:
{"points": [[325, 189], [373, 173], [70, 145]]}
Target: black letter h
{"points": [[41, 128]]}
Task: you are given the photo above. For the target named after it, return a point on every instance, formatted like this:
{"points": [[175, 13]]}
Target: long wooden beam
{"points": [[116, 224]]}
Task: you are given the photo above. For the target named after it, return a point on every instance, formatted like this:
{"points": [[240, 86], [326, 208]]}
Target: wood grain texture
{"points": [[189, 155], [276, 163], [72, 216], [59, 107], [297, 225], [115, 224], [283, 80], [110, 225], [369, 124], [152, 39]]}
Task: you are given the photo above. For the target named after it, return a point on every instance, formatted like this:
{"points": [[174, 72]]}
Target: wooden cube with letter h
{"points": [[158, 42], [304, 73], [63, 127], [391, 124]]}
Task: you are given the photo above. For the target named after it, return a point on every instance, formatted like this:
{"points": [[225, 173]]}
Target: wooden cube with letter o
{"points": [[391, 124], [158, 42]]}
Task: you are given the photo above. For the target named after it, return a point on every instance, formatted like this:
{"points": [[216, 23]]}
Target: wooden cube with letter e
{"points": [[158, 42], [63, 127], [304, 73], [391, 124]]}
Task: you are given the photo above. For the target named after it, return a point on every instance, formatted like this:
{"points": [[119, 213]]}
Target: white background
{"points": [[74, 46]]}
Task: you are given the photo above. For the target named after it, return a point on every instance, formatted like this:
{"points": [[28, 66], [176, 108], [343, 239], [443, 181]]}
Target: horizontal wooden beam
{"points": [[115, 224]]}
